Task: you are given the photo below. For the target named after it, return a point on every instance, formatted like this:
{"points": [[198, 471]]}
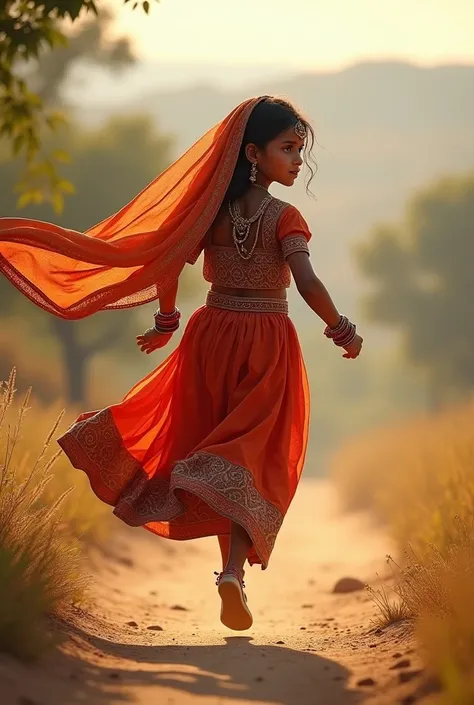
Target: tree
{"points": [[27, 28], [423, 282], [109, 166]]}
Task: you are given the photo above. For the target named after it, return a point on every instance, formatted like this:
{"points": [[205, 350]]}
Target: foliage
{"points": [[110, 164], [28, 28], [421, 272], [419, 479], [40, 562]]}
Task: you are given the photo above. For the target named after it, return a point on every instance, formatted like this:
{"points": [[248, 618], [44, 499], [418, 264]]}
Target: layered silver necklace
{"points": [[241, 226]]}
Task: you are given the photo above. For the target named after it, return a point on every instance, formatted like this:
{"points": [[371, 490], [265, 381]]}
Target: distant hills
{"points": [[385, 129]]}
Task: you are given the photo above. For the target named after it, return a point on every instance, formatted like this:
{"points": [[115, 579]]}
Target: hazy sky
{"points": [[305, 34]]}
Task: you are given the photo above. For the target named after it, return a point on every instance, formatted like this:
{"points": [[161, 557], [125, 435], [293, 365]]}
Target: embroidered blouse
{"points": [[283, 232]]}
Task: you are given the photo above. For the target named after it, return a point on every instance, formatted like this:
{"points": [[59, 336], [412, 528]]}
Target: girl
{"points": [[213, 441]]}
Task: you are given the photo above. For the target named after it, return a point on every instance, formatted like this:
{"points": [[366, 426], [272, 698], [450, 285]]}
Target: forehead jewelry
{"points": [[300, 130]]}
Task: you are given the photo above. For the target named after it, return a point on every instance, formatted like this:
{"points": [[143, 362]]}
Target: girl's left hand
{"points": [[151, 340]]}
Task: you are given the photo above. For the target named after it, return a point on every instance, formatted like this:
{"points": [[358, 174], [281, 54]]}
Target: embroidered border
{"points": [[294, 243], [95, 446], [241, 303], [230, 491], [269, 224]]}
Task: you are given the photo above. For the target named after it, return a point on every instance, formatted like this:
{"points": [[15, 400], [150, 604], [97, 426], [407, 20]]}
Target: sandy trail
{"points": [[307, 645]]}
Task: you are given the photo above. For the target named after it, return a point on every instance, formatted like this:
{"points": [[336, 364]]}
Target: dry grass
{"points": [[41, 567], [418, 478]]}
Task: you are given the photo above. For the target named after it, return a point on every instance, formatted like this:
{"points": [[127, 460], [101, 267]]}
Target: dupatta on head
{"points": [[134, 256]]}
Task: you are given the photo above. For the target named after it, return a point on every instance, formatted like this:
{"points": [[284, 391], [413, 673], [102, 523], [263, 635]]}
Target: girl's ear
{"points": [[251, 152]]}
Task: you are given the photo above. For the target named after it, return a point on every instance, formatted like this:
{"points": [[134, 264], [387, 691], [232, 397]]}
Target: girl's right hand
{"points": [[152, 340], [354, 348]]}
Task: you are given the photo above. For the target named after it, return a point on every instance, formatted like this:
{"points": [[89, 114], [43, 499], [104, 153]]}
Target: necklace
{"points": [[241, 226], [262, 188]]}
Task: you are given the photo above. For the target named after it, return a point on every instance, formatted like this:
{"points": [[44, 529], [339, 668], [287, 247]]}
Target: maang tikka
{"points": [[300, 130]]}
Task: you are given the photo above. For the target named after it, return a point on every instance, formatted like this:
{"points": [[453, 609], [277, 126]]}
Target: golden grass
{"points": [[41, 569], [418, 478]]}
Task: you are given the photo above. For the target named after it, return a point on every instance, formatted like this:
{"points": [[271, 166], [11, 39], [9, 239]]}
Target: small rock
{"points": [[125, 560], [397, 655], [280, 642], [303, 628], [114, 675], [131, 624], [180, 608], [378, 632], [259, 679], [404, 663], [345, 585], [407, 676], [153, 592], [373, 646], [366, 681], [155, 627], [307, 607]]}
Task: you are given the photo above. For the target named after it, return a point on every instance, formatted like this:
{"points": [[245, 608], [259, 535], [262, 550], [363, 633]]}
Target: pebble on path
{"points": [[366, 681], [348, 584]]}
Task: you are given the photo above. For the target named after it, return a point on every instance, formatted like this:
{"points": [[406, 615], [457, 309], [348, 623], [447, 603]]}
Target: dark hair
{"points": [[270, 117]]}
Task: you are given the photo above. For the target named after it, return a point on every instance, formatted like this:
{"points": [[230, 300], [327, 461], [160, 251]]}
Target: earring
{"points": [[253, 173]]}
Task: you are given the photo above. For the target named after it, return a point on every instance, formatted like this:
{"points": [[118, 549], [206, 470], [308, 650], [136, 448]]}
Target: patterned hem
{"points": [[246, 304], [95, 446], [229, 489]]}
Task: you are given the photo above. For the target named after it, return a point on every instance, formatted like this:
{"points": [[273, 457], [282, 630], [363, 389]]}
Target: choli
{"points": [[283, 232]]}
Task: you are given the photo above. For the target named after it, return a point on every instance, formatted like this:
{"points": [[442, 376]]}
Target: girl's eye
{"points": [[287, 149]]}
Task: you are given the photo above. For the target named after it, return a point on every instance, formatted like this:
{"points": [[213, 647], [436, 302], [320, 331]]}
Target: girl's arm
{"points": [[312, 289], [152, 340], [168, 300], [317, 297]]}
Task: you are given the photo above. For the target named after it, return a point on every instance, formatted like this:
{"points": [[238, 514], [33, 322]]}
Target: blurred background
{"points": [[388, 87]]}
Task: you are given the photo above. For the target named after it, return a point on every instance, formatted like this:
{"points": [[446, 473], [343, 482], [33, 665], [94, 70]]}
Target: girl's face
{"points": [[280, 160]]}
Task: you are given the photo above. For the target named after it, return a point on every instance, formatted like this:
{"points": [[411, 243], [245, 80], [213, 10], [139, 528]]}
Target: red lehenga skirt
{"points": [[218, 432]]}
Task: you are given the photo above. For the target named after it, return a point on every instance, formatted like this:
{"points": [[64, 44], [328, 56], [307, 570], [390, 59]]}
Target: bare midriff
{"points": [[250, 293]]}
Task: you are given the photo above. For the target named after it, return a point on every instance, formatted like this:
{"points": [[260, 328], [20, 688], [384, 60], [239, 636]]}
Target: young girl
{"points": [[213, 441]]}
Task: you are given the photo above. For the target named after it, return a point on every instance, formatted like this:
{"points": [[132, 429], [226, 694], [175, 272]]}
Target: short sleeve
{"points": [[293, 232]]}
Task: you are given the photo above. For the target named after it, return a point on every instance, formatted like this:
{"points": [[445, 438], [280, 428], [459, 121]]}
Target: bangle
{"points": [[167, 322], [174, 313], [343, 334]]}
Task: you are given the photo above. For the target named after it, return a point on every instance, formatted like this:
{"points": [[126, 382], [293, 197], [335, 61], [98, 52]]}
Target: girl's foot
{"points": [[234, 611]]}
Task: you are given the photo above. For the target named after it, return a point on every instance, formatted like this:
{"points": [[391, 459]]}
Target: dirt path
{"points": [[307, 645]]}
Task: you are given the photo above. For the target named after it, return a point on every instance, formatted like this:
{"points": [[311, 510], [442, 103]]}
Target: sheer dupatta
{"points": [[135, 255]]}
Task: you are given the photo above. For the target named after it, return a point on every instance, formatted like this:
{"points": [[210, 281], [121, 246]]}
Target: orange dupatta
{"points": [[134, 256]]}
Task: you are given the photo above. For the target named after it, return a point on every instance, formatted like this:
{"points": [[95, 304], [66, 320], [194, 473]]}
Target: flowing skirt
{"points": [[216, 433]]}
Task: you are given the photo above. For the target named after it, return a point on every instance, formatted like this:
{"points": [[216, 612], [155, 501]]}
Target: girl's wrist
{"points": [[167, 322]]}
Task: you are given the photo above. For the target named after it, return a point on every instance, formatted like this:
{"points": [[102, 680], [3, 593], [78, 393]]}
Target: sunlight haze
{"points": [[303, 34]]}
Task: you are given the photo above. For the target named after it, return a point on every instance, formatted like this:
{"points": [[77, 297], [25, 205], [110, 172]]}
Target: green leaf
{"points": [[66, 186], [60, 155], [18, 143], [24, 199], [37, 196], [57, 200]]}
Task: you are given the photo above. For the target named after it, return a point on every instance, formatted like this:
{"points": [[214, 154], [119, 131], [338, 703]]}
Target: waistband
{"points": [[244, 304]]}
